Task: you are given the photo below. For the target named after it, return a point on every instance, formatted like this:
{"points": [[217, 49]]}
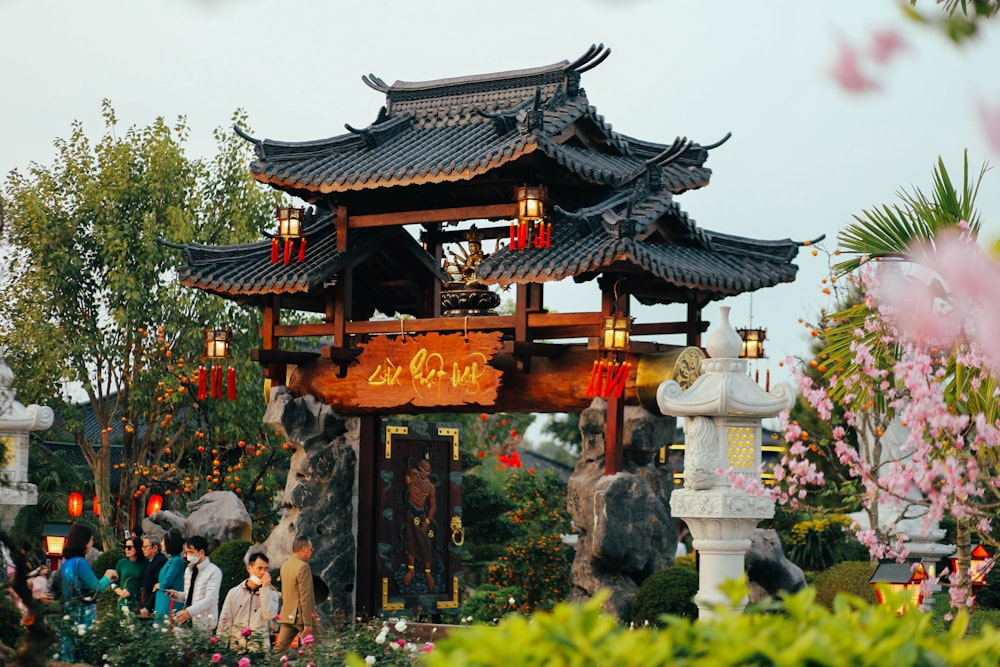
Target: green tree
{"points": [[90, 301]]}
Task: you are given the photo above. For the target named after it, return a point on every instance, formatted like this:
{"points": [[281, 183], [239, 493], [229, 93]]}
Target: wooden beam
{"points": [[367, 549], [551, 350], [455, 214], [541, 325], [282, 357]]}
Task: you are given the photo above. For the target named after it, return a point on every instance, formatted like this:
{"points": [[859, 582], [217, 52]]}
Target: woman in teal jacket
{"points": [[171, 575]]}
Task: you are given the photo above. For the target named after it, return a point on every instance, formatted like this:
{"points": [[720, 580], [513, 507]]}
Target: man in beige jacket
{"points": [[298, 603]]}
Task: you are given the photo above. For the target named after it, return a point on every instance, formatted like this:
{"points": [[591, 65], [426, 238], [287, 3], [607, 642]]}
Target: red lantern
{"points": [[97, 506], [75, 504], [154, 505]]}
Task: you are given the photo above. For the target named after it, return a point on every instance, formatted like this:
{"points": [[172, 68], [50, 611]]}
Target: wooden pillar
{"points": [[343, 291], [614, 300], [366, 586], [272, 317], [693, 324]]}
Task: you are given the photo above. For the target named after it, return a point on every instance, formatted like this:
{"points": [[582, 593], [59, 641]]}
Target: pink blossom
{"points": [[885, 45], [307, 639], [212, 640], [246, 632], [847, 72], [989, 120], [216, 657], [244, 662]]}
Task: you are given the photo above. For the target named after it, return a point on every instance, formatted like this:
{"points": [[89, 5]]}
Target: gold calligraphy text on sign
{"points": [[428, 370]]}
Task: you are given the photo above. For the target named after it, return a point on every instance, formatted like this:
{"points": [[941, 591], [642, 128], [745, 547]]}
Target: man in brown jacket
{"points": [[298, 603]]}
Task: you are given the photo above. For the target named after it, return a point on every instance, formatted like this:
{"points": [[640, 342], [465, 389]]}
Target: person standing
{"points": [[78, 583], [130, 571], [171, 576], [151, 551], [248, 608], [298, 602], [202, 581]]}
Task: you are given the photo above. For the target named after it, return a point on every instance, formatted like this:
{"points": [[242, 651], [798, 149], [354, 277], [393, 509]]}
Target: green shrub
{"points": [[107, 560], [669, 591], [229, 557], [854, 633], [984, 618], [491, 603], [820, 543], [847, 577]]}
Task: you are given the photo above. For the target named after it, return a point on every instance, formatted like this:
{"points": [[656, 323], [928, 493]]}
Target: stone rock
{"points": [[219, 516], [768, 568], [320, 495], [625, 531], [162, 521]]}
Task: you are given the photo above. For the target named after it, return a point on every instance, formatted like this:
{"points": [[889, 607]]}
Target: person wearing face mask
{"points": [[202, 580], [248, 607]]}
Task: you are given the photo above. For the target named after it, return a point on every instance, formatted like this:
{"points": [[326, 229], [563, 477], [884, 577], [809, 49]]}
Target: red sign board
{"points": [[428, 370]]}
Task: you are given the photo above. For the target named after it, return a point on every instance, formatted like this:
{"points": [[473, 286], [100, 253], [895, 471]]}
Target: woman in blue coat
{"points": [[171, 575]]}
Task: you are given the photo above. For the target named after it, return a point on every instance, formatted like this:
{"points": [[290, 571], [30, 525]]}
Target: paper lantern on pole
{"points": [[75, 504]]}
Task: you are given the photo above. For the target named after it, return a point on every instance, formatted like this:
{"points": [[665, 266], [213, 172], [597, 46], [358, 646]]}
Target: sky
{"points": [[806, 154]]}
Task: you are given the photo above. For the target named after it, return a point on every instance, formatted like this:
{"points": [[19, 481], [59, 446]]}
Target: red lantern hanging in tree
{"points": [[75, 504], [154, 504]]}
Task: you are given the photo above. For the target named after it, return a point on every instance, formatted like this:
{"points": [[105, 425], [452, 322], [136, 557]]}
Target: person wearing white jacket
{"points": [[202, 581], [249, 607]]}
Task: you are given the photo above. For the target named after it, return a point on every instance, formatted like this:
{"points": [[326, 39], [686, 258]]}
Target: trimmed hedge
{"points": [[670, 591], [850, 576], [805, 633]]}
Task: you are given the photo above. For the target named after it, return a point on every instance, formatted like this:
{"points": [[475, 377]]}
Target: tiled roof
{"points": [[456, 129], [618, 211], [651, 235], [246, 272]]}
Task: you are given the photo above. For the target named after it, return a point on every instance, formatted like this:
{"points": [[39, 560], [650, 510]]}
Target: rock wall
{"points": [[625, 529], [320, 496]]}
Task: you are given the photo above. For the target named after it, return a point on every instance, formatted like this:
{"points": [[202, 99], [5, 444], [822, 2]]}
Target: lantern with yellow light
{"points": [[531, 230], [210, 381], [289, 231]]}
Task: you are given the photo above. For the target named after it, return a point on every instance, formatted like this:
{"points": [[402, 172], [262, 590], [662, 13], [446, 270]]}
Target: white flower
{"points": [[125, 611], [81, 629], [66, 617], [370, 660], [511, 601], [401, 625], [380, 638]]}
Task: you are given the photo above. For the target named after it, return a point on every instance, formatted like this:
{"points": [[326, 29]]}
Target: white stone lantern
{"points": [[722, 414], [15, 423]]}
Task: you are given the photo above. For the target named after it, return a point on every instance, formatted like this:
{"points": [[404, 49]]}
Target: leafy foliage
{"points": [[491, 603], [849, 577], [853, 633], [670, 591], [822, 542], [89, 276]]}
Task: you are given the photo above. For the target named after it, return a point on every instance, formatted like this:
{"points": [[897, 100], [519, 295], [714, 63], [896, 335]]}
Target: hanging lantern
{"points": [[531, 229], [154, 505], [211, 383], [75, 504], [289, 231], [610, 371], [753, 343], [55, 535], [617, 332], [97, 506]]}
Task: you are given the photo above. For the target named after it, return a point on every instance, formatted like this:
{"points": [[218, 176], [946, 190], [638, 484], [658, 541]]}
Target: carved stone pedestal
{"points": [[721, 523]]}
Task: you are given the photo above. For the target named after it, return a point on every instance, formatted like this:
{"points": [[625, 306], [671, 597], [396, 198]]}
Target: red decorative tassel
{"points": [[232, 383], [616, 386], [274, 251], [548, 235], [522, 235], [216, 382], [302, 249], [288, 250], [595, 375], [202, 381], [513, 236]]}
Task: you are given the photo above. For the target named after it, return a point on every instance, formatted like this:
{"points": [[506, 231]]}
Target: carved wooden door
{"points": [[419, 525]]}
